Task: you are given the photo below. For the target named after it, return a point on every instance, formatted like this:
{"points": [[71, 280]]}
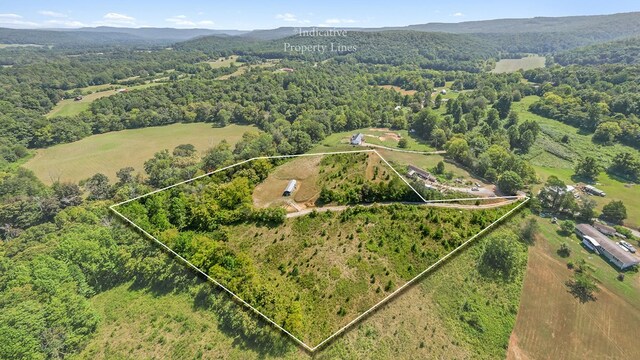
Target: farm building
{"points": [[594, 190], [605, 229], [357, 139], [590, 243], [291, 186], [416, 171], [605, 246]]}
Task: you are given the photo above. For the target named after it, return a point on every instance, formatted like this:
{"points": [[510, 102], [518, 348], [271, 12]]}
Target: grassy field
{"points": [[244, 68], [223, 62], [316, 272], [423, 323], [377, 136], [561, 326], [550, 156], [399, 89], [513, 65], [70, 107], [3, 46], [107, 153]]}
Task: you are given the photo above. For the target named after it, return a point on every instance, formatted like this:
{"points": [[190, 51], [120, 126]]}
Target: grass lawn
{"points": [[551, 323], [513, 65], [107, 153]]}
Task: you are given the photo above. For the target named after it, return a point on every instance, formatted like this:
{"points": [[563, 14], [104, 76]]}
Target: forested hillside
{"points": [[616, 52], [69, 267]]}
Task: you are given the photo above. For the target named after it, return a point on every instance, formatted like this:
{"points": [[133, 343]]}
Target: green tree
{"points": [[403, 143], [510, 182], [567, 227], [615, 212], [564, 250], [503, 105], [588, 168], [583, 286], [217, 157], [586, 211], [500, 257], [98, 187]]}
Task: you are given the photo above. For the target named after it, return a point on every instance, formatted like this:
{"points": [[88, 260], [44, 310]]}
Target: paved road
{"points": [[432, 204]]}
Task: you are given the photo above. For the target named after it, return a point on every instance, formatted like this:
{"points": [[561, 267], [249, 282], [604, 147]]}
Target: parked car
{"points": [[628, 246], [475, 189]]}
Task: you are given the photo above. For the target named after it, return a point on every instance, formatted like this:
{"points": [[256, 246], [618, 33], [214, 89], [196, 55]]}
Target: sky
{"points": [[267, 14]]}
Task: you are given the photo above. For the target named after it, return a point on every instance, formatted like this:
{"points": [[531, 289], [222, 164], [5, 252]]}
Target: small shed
{"points": [[357, 139], [291, 186]]}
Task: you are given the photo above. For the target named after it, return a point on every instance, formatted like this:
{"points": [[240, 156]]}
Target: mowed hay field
{"points": [[559, 326], [107, 153], [513, 65]]}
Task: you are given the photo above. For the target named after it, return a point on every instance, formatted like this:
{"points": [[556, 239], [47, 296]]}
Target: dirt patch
{"points": [[303, 169]]}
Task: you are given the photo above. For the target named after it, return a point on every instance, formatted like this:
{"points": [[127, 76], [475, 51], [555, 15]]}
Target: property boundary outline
{"points": [[360, 317]]}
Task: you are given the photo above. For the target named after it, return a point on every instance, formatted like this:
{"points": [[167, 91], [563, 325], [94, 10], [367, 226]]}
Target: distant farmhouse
{"points": [[416, 171], [357, 139], [291, 186], [601, 244]]}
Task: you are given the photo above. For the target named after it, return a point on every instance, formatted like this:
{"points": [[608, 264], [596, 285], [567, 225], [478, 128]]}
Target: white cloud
{"points": [[52, 14], [117, 20], [15, 20], [340, 21], [458, 14], [184, 21], [287, 17], [336, 22], [10, 16], [66, 23]]}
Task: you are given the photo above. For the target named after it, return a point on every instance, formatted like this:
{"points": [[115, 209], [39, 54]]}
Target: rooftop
{"points": [[607, 244]]}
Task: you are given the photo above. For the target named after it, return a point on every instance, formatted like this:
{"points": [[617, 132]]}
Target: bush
{"points": [[564, 250]]}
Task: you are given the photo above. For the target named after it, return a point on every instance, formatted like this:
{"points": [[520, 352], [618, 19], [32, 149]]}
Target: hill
{"points": [[625, 51]]}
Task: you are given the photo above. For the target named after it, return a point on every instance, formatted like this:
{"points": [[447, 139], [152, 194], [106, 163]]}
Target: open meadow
{"points": [[107, 153], [513, 65], [426, 321]]}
